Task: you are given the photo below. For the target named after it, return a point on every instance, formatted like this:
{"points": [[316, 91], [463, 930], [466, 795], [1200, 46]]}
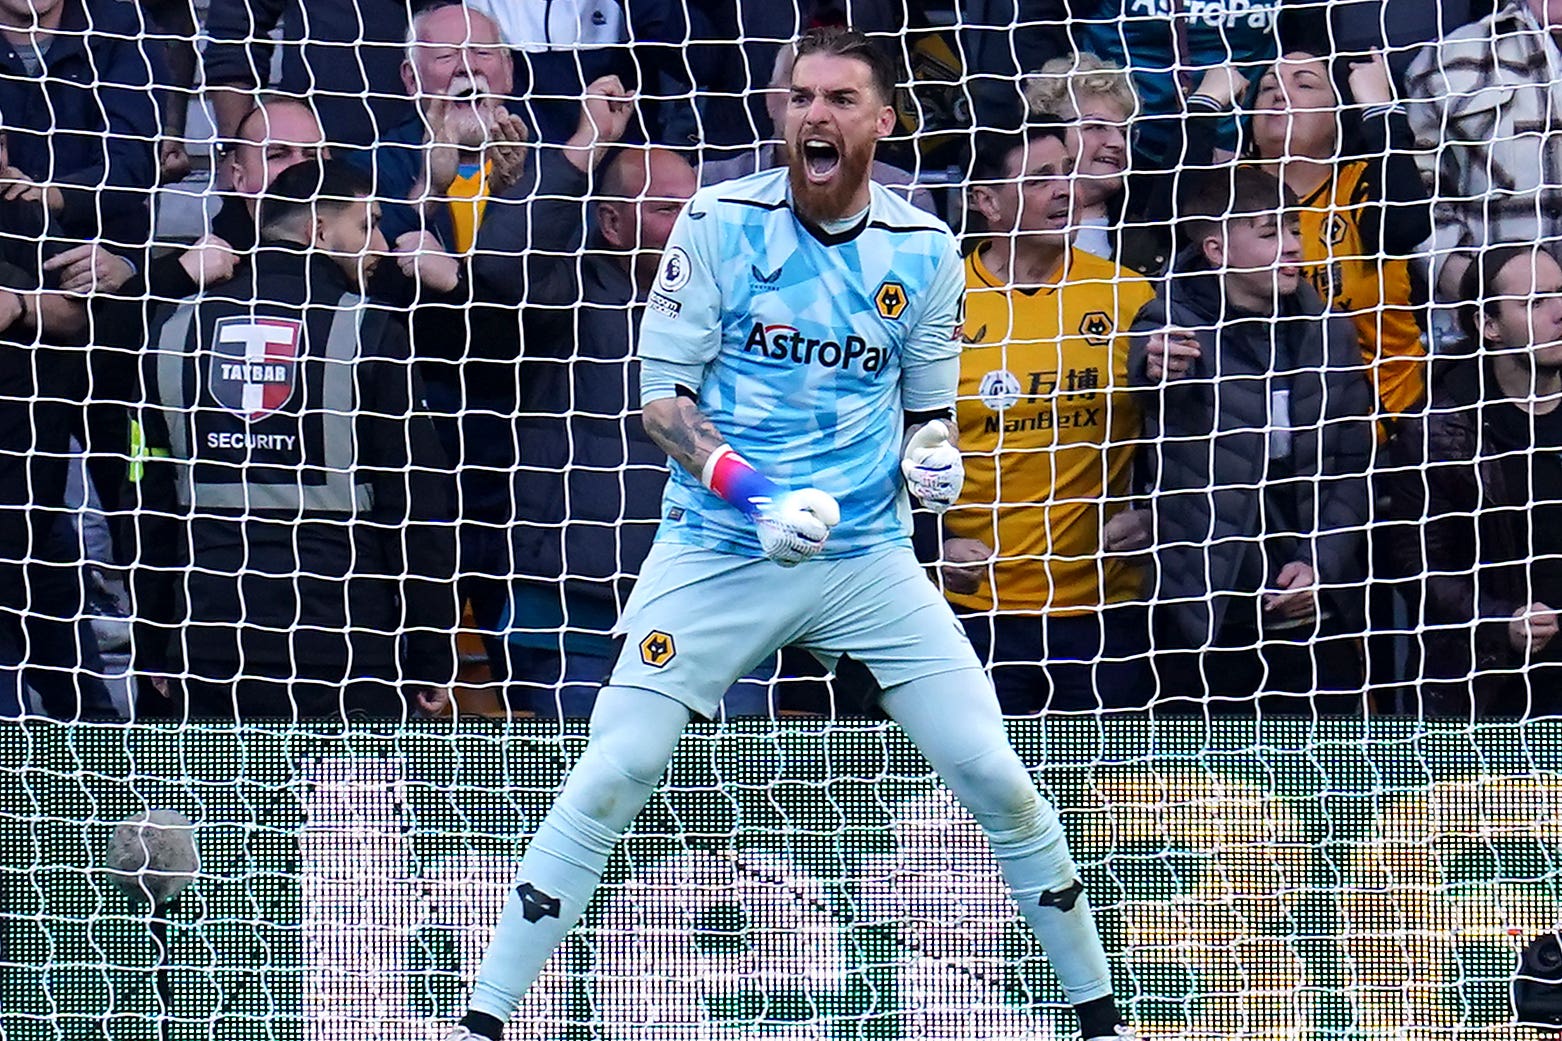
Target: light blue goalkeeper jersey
{"points": [[812, 345]]}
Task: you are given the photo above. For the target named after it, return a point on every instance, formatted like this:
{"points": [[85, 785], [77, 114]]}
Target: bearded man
{"points": [[462, 146], [799, 363]]}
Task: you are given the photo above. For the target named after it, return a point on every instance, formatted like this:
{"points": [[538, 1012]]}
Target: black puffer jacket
{"points": [[1208, 455]]}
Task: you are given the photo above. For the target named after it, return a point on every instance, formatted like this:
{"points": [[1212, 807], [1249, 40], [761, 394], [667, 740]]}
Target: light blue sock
{"points": [[633, 735], [955, 721]]}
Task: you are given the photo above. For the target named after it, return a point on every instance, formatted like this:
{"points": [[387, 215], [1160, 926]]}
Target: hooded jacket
{"points": [[1207, 449]]}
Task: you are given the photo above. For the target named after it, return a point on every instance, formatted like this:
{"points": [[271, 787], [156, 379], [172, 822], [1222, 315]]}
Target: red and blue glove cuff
{"points": [[730, 476]]}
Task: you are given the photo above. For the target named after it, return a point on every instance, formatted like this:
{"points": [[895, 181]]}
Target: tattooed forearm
{"points": [[682, 431]]}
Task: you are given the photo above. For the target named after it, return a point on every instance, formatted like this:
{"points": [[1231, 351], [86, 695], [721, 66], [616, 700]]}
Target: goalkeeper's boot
{"points": [[1121, 1033], [475, 1026]]}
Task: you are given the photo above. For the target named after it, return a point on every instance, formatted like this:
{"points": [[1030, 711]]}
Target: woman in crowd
{"points": [[1361, 218]]}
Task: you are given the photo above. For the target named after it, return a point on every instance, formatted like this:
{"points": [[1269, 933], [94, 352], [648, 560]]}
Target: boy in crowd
{"points": [[1258, 430]]}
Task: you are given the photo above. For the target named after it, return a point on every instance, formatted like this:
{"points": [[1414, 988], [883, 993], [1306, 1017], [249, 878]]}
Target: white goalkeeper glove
{"points": [[932, 467], [793, 528]]}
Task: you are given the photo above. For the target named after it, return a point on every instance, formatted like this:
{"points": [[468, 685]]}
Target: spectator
{"points": [[1361, 219], [588, 489], [1362, 223], [123, 296], [1486, 107], [1096, 99], [1166, 47], [1481, 473], [342, 55], [1258, 437], [127, 285], [467, 338], [81, 117], [772, 154], [276, 133], [299, 528], [42, 373], [561, 48], [1048, 428], [460, 146]]}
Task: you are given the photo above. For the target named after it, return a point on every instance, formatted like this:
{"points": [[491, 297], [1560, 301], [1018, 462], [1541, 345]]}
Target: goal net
{"points": [[1262, 579]]}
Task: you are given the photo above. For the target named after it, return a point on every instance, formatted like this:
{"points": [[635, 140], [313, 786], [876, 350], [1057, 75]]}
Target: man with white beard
{"points": [[462, 147], [464, 157]]}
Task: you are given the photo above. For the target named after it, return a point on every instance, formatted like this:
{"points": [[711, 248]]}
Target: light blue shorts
{"points": [[699, 619]]}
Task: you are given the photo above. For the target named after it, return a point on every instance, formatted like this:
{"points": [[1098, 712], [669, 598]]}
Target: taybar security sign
{"points": [[254, 365]]}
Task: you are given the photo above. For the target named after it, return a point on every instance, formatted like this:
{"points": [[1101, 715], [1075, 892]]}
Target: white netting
{"points": [[339, 474]]}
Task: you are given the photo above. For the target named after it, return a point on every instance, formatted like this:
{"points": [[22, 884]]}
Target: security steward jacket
{"points": [[298, 509]]}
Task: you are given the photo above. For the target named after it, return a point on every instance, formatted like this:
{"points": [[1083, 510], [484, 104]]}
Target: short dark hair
{"points": [[993, 148], [1236, 193], [841, 42], [309, 187], [1478, 297]]}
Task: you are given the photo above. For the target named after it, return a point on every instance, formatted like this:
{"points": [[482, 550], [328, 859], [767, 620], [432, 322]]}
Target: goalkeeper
{"points": [[799, 355]]}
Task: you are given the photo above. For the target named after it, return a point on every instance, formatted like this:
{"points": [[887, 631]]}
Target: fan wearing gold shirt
{"points": [[1361, 219], [1036, 549]]}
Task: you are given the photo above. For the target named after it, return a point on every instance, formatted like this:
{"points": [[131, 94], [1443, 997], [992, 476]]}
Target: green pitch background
{"points": [[1274, 879]]}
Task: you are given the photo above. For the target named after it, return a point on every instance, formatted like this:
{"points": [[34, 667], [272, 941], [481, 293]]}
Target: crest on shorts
{"points": [[657, 649], [890, 299], [1096, 327], [254, 364]]}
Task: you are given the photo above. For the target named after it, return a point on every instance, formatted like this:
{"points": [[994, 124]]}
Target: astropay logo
{"points": [[784, 342]]}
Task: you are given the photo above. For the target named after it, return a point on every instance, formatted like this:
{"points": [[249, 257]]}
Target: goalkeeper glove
{"points": [[932, 467], [792, 525]]}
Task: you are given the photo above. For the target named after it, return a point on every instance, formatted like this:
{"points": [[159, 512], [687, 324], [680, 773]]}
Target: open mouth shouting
{"points": [[821, 159]]}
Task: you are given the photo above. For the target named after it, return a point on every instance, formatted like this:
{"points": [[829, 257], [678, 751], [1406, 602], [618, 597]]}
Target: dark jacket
{"points": [[585, 456], [122, 323], [467, 342], [1472, 553], [468, 339], [42, 387], [299, 522], [397, 161], [348, 65], [89, 122], [1207, 451]]}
